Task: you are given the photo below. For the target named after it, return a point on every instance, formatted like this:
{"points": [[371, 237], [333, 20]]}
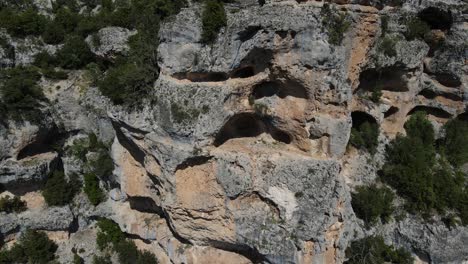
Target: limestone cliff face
{"points": [[244, 158]]}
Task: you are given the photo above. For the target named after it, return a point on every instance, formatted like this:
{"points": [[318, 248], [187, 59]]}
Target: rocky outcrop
{"points": [[244, 156]]}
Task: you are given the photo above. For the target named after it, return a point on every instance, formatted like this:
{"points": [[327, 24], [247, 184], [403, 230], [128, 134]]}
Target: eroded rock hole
{"points": [[429, 94], [265, 89], [43, 143], [249, 125], [248, 33], [463, 116], [243, 72], [391, 111], [434, 111], [390, 78], [201, 76], [258, 58], [360, 118], [437, 18], [448, 80], [239, 126], [282, 90]]}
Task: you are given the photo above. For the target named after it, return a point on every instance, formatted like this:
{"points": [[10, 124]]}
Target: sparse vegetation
{"points": [[58, 191], [374, 250], [427, 182], [32, 247], [21, 23], [365, 136], [371, 203], [213, 19], [416, 29], [12, 204], [74, 54], [21, 96], [335, 23], [111, 238], [92, 189], [455, 142], [387, 46]]}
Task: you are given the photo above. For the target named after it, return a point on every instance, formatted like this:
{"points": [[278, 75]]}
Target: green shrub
{"points": [[374, 250], [92, 189], [376, 94], [32, 247], [102, 260], [22, 23], [427, 183], [53, 74], [53, 34], [12, 204], [455, 142], [75, 53], [371, 202], [418, 126], [125, 83], [335, 23], [58, 191], [416, 29], [387, 46], [21, 96], [213, 19], [384, 19], [77, 259], [66, 19], [365, 136], [110, 236]]}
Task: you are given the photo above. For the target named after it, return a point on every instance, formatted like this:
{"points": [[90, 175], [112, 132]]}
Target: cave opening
{"points": [[359, 118], [434, 111], [447, 79], [265, 89], [282, 90], [243, 72], [245, 125], [33, 149], [437, 18], [239, 126], [388, 78], [201, 76], [391, 111]]}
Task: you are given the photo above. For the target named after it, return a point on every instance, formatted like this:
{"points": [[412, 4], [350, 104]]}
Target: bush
{"points": [[32, 247], [53, 34], [387, 46], [418, 126], [58, 191], [22, 23], [125, 83], [92, 189], [374, 250], [427, 183], [213, 19], [335, 23], [416, 29], [102, 260], [455, 142], [21, 96], [77, 259], [75, 53], [371, 202], [375, 95], [12, 204], [110, 236], [365, 136]]}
